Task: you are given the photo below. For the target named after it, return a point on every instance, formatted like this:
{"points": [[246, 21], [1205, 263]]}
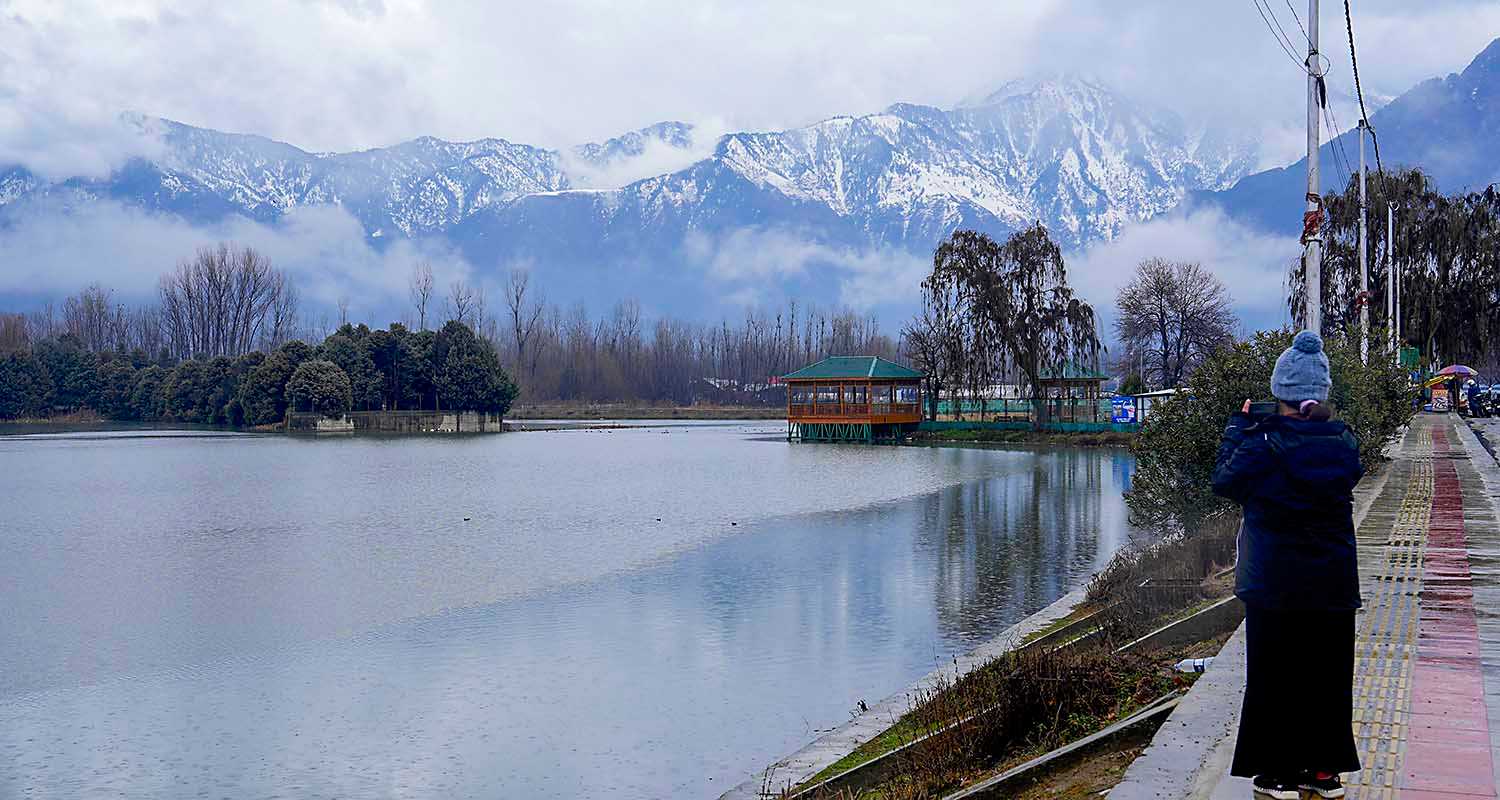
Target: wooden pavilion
{"points": [[852, 399], [1073, 393]]}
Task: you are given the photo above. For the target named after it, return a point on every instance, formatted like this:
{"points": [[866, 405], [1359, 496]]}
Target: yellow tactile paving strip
{"points": [[1391, 542]]}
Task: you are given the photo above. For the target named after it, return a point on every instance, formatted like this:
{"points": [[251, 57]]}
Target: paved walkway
{"points": [[1427, 668]]}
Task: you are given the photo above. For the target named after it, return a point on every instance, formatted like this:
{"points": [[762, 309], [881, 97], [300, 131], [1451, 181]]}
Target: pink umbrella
{"points": [[1458, 369]]}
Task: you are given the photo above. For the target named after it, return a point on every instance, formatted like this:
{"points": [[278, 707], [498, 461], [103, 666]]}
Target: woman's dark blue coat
{"points": [[1295, 479]]}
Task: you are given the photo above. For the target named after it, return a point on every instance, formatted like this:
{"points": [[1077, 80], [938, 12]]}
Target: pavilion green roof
{"points": [[853, 367], [1071, 371]]}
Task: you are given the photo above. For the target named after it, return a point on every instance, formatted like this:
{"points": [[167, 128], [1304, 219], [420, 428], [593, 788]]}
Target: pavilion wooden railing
{"points": [[835, 409]]}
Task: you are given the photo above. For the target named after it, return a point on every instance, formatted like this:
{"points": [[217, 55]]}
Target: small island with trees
{"points": [[218, 350]]}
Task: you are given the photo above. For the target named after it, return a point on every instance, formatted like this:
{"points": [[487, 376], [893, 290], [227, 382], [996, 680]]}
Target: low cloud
{"points": [[657, 157], [1252, 265], [865, 278], [51, 252]]}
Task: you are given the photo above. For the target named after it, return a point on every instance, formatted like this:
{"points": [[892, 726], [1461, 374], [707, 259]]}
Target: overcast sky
{"points": [[350, 74], [347, 74]]}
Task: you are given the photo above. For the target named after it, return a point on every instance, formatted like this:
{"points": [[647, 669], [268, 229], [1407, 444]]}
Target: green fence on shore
{"points": [[1056, 426]]}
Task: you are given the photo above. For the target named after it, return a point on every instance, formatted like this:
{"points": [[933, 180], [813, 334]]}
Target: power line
{"points": [[1354, 62], [1277, 33], [1305, 37], [1337, 142]]}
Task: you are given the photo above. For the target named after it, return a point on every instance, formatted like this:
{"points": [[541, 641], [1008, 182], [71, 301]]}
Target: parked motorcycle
{"points": [[1482, 402]]}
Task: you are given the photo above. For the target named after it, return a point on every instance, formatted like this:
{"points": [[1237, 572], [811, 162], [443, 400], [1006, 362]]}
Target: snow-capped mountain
{"points": [[1064, 150]]}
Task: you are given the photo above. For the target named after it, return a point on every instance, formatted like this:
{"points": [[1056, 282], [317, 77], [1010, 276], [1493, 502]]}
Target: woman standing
{"points": [[1294, 473]]}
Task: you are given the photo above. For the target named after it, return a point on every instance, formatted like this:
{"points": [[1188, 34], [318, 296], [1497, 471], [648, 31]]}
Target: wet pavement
{"points": [[1427, 671]]}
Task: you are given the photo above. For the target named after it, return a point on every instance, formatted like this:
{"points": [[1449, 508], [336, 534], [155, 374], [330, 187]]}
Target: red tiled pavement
{"points": [[1448, 753]]}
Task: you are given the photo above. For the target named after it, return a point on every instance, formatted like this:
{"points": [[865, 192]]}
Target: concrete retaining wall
{"points": [[399, 422]]}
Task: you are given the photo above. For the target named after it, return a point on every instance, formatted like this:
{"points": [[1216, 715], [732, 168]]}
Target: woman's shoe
{"points": [[1275, 788], [1329, 787]]}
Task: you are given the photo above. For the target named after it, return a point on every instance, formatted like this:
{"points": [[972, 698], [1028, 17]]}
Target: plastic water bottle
{"points": [[1194, 664]]}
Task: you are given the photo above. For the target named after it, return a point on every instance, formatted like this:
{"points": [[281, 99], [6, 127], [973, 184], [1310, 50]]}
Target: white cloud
{"points": [[351, 74], [747, 259], [49, 252], [657, 157], [1252, 265]]}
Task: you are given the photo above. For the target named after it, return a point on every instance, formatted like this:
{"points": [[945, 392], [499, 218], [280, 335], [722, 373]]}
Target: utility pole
{"points": [[1313, 267], [1390, 278], [1364, 262], [1397, 267]]}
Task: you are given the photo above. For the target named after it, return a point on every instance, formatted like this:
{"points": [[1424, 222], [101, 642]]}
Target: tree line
{"points": [[567, 355], [355, 368], [225, 335], [222, 347], [1446, 249]]}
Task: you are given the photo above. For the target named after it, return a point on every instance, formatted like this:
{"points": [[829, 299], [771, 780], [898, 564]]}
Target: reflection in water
{"points": [[1010, 545], [266, 637]]}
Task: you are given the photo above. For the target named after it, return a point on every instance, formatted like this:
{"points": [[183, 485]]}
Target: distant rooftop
{"points": [[853, 367]]}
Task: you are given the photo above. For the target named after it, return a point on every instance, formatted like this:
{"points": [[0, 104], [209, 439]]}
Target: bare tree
{"points": [[1172, 315], [934, 338], [525, 312], [98, 322], [420, 287], [13, 334], [218, 302], [460, 302], [343, 310], [283, 315]]}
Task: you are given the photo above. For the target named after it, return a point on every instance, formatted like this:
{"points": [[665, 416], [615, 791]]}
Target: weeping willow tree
{"points": [[1020, 318], [1447, 250]]}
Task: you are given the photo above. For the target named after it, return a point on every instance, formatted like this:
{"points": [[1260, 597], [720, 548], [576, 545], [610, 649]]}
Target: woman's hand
{"points": [[1245, 409]]}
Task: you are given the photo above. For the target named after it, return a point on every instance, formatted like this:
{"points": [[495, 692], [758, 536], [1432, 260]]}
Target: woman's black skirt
{"points": [[1299, 694]]}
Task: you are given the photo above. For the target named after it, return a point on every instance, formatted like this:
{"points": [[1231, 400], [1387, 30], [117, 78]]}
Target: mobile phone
{"points": [[1262, 409]]}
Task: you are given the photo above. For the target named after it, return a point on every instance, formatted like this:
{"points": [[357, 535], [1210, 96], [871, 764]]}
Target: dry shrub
{"points": [[1025, 701], [1177, 555]]}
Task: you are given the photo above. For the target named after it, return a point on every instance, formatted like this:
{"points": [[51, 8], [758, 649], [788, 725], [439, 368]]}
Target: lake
{"points": [[647, 612]]}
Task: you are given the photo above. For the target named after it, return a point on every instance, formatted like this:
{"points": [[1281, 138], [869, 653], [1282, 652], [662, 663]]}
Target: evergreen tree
{"points": [[116, 382], [319, 385], [263, 391], [25, 386], [74, 372], [146, 393]]}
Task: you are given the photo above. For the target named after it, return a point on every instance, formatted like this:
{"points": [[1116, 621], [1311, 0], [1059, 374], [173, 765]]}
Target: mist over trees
{"points": [[1172, 316], [227, 333]]}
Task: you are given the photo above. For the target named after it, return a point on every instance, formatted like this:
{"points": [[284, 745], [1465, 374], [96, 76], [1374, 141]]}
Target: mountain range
{"points": [[688, 219], [1064, 150]]}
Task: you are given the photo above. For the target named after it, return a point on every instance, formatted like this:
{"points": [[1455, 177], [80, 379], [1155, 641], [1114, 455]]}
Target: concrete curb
{"points": [[834, 745]]}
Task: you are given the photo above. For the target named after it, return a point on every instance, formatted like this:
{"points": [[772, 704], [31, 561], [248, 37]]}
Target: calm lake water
{"points": [[655, 612]]}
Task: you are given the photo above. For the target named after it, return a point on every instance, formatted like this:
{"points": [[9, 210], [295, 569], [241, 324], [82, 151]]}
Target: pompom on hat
{"points": [[1302, 371]]}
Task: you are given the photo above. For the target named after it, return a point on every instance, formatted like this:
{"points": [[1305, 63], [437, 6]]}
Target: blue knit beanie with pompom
{"points": [[1301, 371]]}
